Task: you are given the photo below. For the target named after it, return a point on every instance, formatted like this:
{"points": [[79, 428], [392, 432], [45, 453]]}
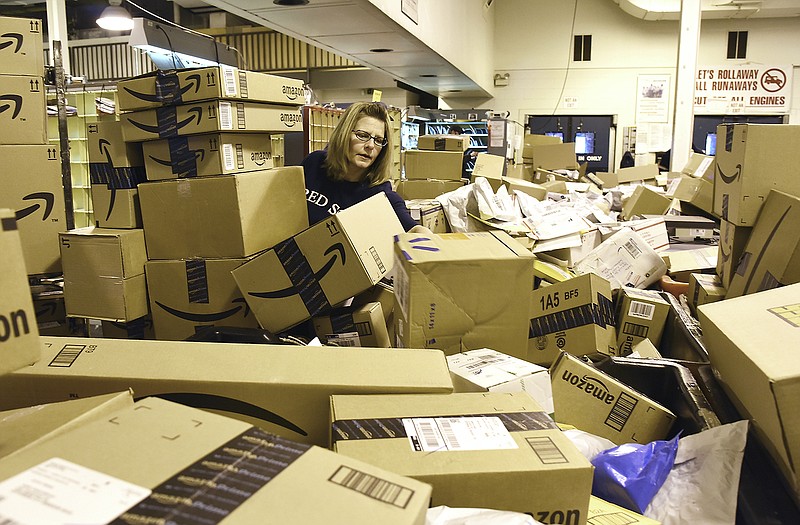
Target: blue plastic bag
{"points": [[631, 474]]}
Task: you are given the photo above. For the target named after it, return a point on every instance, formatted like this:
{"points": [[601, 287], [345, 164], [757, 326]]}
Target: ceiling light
{"points": [[381, 50], [428, 75], [115, 17], [290, 2]]}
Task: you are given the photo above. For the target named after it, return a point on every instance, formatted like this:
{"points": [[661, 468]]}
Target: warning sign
{"points": [[747, 89]]}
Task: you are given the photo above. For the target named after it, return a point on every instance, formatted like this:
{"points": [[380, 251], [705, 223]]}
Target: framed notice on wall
{"points": [[409, 8], [652, 98]]}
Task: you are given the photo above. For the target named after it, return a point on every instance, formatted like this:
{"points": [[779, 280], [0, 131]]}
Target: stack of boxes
{"points": [[434, 168], [32, 184]]}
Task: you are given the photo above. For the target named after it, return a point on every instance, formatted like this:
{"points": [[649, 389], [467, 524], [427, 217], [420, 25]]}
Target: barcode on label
{"points": [[448, 434], [621, 411], [225, 115], [636, 330], [631, 247], [641, 310], [430, 435], [228, 157], [229, 81], [547, 451], [372, 486], [67, 356]]}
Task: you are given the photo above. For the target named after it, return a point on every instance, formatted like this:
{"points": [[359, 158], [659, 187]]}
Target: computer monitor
{"points": [[559, 134], [409, 135], [711, 143], [584, 142]]}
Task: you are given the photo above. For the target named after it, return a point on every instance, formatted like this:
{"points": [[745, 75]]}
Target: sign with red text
{"points": [[746, 89]]}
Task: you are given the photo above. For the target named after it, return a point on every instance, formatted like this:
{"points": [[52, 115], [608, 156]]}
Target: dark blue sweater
{"points": [[325, 197]]}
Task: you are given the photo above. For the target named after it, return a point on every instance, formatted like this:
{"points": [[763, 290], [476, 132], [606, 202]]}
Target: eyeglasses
{"points": [[363, 136]]}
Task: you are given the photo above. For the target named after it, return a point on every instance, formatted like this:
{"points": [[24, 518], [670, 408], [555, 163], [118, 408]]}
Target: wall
{"points": [[533, 44]]}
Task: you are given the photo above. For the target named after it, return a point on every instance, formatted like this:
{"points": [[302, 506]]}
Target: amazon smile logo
{"points": [[15, 100], [206, 318], [729, 179], [199, 156], [46, 197], [15, 40], [336, 249], [193, 82], [195, 113]]}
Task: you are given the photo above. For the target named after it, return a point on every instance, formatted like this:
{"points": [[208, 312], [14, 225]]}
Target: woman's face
{"points": [[363, 154]]}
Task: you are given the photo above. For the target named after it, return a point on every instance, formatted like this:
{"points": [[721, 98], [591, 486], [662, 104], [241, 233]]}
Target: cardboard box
{"points": [[322, 266], [700, 166], [283, 389], [104, 273], [492, 167], [522, 462], [645, 201], [732, 243], [685, 260], [602, 512], [520, 172], [160, 461], [141, 328], [434, 308], [576, 316], [641, 314], [772, 255], [697, 192], [554, 156], [51, 315], [204, 155], [588, 241], [353, 326], [752, 342], [25, 120], [227, 216], [19, 337], [444, 142], [536, 191], [21, 47], [440, 165], [646, 350], [530, 140], [703, 289], [593, 401], [606, 180], [751, 161], [624, 259], [637, 173], [116, 207], [486, 370], [25, 428], [209, 117], [38, 199], [191, 294], [383, 293], [106, 146], [426, 189], [173, 87], [428, 213]]}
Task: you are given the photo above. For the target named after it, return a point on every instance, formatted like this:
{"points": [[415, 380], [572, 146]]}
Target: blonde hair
{"points": [[339, 143]]}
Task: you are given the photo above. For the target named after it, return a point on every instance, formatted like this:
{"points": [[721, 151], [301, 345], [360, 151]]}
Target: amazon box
{"points": [[104, 273], [695, 191], [732, 242], [530, 140], [426, 189], [223, 217], [38, 200], [440, 165], [322, 266], [353, 326], [462, 291], [106, 145], [21, 46], [444, 142], [536, 191], [641, 314], [182, 86], [24, 119], [51, 315], [593, 401], [554, 156], [752, 342], [159, 461], [281, 388], [772, 255], [645, 201], [703, 289], [209, 117], [487, 370], [19, 337], [751, 160], [204, 155], [191, 294], [576, 316], [637, 173], [478, 450], [428, 213]]}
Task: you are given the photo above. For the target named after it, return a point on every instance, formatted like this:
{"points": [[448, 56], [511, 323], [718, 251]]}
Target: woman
{"points": [[355, 166]]}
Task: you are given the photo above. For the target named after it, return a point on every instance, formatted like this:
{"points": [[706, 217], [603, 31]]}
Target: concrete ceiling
{"points": [[355, 29]]}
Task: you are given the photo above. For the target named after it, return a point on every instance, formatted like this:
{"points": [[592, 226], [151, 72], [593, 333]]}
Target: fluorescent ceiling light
{"points": [[115, 17], [189, 47]]}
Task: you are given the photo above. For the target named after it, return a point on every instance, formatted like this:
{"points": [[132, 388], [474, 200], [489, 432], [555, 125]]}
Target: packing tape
{"points": [[197, 281]]}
